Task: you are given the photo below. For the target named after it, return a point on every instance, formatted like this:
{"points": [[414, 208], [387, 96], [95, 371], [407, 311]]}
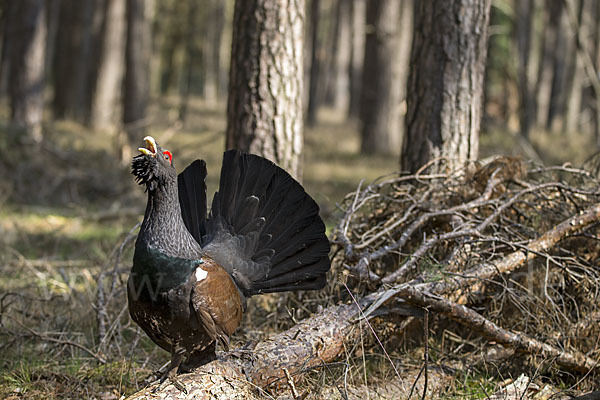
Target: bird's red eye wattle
{"points": [[168, 156]]}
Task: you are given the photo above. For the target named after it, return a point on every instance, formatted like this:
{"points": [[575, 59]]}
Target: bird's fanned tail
{"points": [[263, 228]]}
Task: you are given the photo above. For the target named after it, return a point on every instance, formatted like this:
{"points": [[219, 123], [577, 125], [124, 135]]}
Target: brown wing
{"points": [[217, 302]]}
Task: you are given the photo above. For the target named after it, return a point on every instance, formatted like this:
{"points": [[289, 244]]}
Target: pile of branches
{"points": [[509, 251]]}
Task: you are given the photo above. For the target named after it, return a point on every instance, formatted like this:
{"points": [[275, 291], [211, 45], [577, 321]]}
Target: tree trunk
{"points": [[27, 36], [524, 10], [73, 60], [559, 61], [215, 23], [545, 73], [380, 99], [403, 60], [194, 58], [341, 78], [313, 85], [445, 84], [107, 93], [359, 19], [264, 111], [574, 84], [137, 69]]}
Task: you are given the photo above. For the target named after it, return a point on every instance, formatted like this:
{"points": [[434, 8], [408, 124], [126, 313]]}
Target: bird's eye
{"points": [[167, 156]]}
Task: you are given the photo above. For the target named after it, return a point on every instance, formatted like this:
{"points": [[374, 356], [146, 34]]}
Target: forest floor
{"points": [[68, 214]]}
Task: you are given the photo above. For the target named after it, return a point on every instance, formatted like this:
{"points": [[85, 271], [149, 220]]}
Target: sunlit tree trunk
{"points": [[264, 111], [445, 84], [341, 77], [27, 36], [403, 60]]}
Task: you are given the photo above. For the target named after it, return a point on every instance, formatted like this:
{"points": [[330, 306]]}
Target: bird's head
{"points": [[154, 166]]}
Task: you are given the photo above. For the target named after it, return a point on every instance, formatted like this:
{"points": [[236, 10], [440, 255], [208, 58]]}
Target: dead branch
{"points": [[520, 341], [489, 270]]}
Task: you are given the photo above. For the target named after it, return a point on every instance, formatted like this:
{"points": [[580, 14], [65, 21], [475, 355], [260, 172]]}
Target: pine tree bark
{"points": [[445, 84], [359, 19], [380, 98], [107, 92], [264, 111], [26, 33], [137, 68]]}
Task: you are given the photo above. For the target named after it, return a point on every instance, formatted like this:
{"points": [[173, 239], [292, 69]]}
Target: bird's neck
{"points": [[163, 226]]}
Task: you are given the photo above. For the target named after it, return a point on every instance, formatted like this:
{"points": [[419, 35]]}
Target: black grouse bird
{"points": [[192, 272]]}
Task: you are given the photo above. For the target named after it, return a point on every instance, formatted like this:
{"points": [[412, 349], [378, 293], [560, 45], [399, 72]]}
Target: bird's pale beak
{"points": [[150, 149]]}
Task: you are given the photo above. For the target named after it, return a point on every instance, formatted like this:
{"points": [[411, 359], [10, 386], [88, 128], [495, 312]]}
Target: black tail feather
{"points": [[271, 225], [192, 198]]}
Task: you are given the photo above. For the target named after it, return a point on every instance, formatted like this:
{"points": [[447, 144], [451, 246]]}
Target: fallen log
{"points": [[243, 373]]}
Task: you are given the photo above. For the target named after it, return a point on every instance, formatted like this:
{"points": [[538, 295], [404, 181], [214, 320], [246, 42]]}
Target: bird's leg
{"points": [[171, 372], [199, 358]]}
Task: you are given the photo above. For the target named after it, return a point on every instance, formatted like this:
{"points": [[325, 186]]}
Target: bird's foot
{"points": [[172, 376]]}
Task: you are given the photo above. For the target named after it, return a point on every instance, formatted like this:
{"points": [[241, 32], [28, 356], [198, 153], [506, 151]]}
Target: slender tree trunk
{"points": [[574, 84], [329, 51], [403, 60], [341, 79], [543, 89], [359, 20], [380, 99], [73, 67], [524, 31], [107, 93], [27, 37], [66, 56], [445, 84], [215, 22], [557, 98], [264, 112], [194, 57], [313, 92], [137, 69]]}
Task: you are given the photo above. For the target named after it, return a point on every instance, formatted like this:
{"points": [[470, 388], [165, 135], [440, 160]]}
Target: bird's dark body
{"points": [[192, 271]]}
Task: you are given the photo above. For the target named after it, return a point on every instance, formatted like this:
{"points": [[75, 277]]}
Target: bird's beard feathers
{"points": [[145, 170]]}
